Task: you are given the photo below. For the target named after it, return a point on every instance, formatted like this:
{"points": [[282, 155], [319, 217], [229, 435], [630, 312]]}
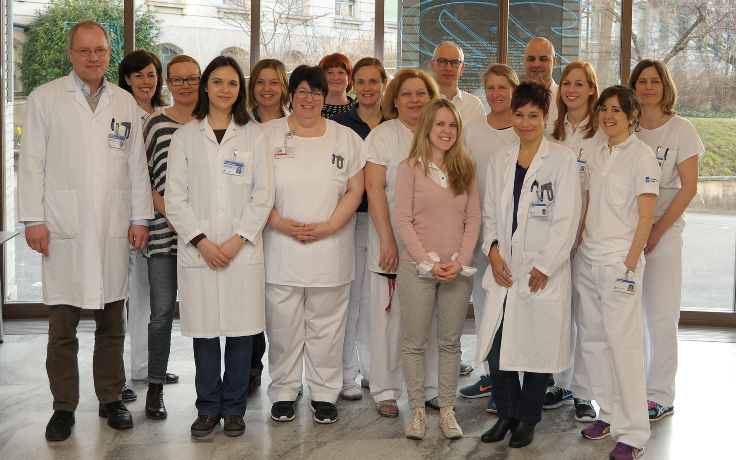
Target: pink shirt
{"points": [[430, 218]]}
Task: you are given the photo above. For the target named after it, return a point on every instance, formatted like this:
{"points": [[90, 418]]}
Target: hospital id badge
{"points": [[660, 160], [624, 285], [234, 168], [581, 166], [115, 141], [538, 209], [283, 152]]}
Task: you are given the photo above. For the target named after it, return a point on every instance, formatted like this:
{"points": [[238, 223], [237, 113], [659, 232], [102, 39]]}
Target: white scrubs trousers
{"points": [[574, 378], [356, 353], [661, 305], [305, 325], [139, 314], [481, 262], [610, 328], [387, 338]]}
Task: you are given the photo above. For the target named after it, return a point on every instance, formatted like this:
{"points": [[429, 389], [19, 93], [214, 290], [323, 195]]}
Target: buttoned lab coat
{"points": [[536, 329], [201, 198], [86, 192]]}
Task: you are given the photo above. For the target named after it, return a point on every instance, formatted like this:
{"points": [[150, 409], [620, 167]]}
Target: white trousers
{"points": [[610, 328], [139, 314], [305, 325], [661, 305], [575, 378], [387, 338], [481, 262], [356, 353]]}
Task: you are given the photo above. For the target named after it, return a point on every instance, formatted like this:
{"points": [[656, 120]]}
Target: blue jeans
{"points": [[524, 403], [219, 397], [162, 278]]}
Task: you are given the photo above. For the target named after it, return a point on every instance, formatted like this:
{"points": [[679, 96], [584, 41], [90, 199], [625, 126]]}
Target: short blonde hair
{"points": [[280, 70], [86, 24], [501, 70], [459, 164], [669, 95], [178, 59], [392, 90]]}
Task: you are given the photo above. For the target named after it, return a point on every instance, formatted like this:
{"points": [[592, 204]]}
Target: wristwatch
{"points": [[245, 240]]}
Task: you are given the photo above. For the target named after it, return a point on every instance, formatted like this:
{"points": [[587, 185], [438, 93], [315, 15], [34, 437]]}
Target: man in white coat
{"points": [[540, 61], [447, 66], [84, 195]]}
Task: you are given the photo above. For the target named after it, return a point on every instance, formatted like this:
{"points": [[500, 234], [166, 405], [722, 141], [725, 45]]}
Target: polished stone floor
{"points": [[701, 429]]}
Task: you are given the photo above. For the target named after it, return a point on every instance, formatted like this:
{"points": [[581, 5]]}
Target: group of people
{"points": [[354, 232]]}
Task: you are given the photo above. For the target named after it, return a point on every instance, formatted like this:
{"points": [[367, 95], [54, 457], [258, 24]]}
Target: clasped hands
{"points": [[220, 256]]}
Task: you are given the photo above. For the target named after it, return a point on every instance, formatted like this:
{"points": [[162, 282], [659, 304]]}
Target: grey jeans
{"points": [[418, 299]]}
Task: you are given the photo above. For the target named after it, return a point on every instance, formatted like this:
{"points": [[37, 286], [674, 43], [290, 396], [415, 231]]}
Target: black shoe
{"points": [[584, 411], [254, 381], [117, 415], [155, 409], [171, 378], [128, 394], [324, 412], [434, 403], [523, 435], [499, 430], [283, 411], [551, 381], [60, 426]]}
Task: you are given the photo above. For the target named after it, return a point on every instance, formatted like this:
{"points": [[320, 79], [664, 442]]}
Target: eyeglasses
{"points": [[442, 62], [303, 94], [176, 81], [85, 53]]}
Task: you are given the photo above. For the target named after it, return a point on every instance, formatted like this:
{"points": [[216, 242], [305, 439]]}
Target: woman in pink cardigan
{"points": [[438, 219]]}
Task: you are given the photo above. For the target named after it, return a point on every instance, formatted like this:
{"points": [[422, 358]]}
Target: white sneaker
{"points": [[350, 391], [417, 424], [449, 425]]}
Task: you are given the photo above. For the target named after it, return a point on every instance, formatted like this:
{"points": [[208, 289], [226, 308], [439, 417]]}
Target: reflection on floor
{"points": [[701, 429]]}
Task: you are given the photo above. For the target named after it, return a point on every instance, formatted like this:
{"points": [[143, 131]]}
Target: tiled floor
{"points": [[701, 429]]}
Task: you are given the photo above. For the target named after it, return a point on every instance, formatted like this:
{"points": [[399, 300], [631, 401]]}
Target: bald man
{"points": [[539, 62], [447, 66]]}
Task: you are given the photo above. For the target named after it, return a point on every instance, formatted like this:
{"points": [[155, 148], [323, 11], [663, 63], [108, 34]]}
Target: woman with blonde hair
{"points": [[388, 145], [577, 129], [678, 148], [268, 94], [438, 219]]}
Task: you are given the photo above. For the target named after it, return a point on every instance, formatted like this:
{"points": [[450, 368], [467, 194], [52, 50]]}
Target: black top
{"points": [[352, 120], [329, 110], [518, 182], [219, 134], [257, 117]]}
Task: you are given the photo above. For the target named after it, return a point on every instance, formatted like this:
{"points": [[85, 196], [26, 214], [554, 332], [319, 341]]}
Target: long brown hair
{"points": [[669, 94], [459, 164], [592, 126], [280, 70]]}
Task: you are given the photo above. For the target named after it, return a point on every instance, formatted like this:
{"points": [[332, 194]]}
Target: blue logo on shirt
{"points": [[647, 179]]}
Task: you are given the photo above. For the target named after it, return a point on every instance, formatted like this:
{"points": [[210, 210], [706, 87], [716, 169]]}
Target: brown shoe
{"points": [[204, 425], [234, 425]]}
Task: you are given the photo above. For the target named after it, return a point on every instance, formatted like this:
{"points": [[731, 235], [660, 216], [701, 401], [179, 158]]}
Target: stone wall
{"points": [[716, 194]]}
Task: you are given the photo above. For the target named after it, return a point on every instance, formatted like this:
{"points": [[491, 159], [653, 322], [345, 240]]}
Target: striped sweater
{"points": [[157, 133]]}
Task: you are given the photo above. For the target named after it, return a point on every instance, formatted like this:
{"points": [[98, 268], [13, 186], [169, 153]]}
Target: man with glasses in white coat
{"points": [[84, 197], [447, 66]]}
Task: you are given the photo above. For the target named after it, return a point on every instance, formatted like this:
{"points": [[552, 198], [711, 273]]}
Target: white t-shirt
{"points": [[308, 188], [469, 106], [388, 145], [615, 179], [582, 148], [677, 141], [552, 105], [482, 142]]}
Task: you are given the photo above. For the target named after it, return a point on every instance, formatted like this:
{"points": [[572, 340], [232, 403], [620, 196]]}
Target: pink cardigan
{"points": [[430, 218]]}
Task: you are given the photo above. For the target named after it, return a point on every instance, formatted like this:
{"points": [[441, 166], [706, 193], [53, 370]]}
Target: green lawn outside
{"points": [[719, 138]]}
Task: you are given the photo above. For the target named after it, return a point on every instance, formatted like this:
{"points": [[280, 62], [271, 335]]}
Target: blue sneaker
{"points": [[491, 407], [657, 411], [479, 389]]}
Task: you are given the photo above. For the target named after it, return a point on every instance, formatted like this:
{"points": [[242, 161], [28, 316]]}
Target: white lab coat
{"points": [[536, 331], [200, 198], [85, 192]]}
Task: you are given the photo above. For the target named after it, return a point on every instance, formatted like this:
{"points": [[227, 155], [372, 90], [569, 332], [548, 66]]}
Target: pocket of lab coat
{"points": [[120, 210], [62, 214], [617, 190], [188, 255], [247, 177], [551, 292]]}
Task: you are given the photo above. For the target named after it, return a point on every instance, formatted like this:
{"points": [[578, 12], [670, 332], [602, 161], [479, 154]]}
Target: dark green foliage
{"points": [[43, 57]]}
